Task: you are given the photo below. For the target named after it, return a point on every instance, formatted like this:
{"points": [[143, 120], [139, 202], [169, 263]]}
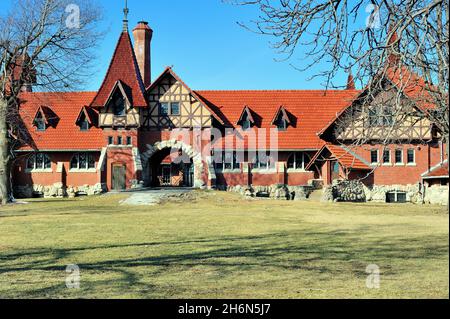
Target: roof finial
{"points": [[125, 17]]}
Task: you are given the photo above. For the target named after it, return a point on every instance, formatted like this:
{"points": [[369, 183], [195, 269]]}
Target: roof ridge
{"points": [[281, 90]]}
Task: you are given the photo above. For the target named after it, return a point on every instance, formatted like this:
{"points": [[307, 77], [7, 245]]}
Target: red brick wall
{"points": [[21, 177], [426, 156], [299, 179]]}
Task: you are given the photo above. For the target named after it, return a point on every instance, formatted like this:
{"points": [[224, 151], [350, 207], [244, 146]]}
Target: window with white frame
{"points": [[411, 156], [226, 160], [381, 116], [82, 161], [39, 161], [166, 108], [263, 161], [387, 157], [374, 156], [298, 161], [398, 156]]}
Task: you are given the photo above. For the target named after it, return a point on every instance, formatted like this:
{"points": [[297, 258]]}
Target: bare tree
{"points": [[47, 44], [397, 49]]}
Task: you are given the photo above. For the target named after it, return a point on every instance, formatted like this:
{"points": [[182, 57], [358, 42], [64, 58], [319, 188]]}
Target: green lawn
{"points": [[221, 246]]}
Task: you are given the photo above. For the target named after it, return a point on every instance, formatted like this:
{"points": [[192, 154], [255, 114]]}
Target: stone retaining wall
{"points": [[277, 191], [355, 191], [58, 190]]}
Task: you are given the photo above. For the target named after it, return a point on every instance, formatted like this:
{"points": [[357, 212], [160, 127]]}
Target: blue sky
{"points": [[204, 44]]}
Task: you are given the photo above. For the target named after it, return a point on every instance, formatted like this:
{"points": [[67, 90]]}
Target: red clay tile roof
{"points": [[123, 68], [344, 156], [438, 171], [66, 135], [311, 111]]}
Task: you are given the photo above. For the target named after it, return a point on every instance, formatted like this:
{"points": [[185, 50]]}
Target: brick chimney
{"points": [[142, 34]]}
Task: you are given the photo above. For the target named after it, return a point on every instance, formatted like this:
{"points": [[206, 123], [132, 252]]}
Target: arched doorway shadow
{"points": [[155, 153], [171, 168]]}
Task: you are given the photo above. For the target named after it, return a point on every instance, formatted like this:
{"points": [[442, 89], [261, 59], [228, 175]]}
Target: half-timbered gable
{"points": [[385, 114], [173, 105]]}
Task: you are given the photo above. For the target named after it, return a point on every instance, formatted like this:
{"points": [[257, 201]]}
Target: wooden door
{"points": [[119, 177]]}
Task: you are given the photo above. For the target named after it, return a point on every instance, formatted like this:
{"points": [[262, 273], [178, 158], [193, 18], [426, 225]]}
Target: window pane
{"points": [[47, 162], [39, 161], [291, 161], [175, 109], [373, 117], [40, 124], [387, 116], [74, 162], [119, 106], [110, 140], [374, 157], [84, 125], [82, 161], [164, 109], [129, 140], [235, 161], [31, 161], [398, 156], [119, 140], [228, 160], [299, 161], [246, 125], [91, 161], [386, 156], [282, 125], [411, 157]]}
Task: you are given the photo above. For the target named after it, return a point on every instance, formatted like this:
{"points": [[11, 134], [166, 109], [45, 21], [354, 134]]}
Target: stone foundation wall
{"points": [[58, 190], [355, 191], [277, 191]]}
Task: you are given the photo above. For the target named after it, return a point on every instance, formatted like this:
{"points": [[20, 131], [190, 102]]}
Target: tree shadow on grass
{"points": [[317, 252]]}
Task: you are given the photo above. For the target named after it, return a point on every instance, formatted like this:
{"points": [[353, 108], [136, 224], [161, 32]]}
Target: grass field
{"points": [[221, 246]]}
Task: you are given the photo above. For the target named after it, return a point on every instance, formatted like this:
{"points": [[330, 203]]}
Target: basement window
{"points": [[396, 197]]}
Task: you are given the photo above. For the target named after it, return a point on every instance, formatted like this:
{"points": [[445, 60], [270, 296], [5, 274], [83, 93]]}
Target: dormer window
{"points": [[282, 125], [84, 123], [119, 106], [40, 120], [40, 124], [86, 119], [246, 125], [246, 120], [281, 119]]}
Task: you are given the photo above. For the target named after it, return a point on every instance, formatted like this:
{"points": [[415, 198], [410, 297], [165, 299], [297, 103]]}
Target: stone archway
{"points": [[188, 150]]}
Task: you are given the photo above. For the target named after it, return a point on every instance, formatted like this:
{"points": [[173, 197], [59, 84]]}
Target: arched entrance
{"points": [[193, 170], [171, 168]]}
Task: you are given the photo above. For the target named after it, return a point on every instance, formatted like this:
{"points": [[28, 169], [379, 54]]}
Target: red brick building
{"points": [[136, 132]]}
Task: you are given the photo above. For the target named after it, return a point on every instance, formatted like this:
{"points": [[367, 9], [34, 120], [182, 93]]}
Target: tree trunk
{"points": [[5, 185]]}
